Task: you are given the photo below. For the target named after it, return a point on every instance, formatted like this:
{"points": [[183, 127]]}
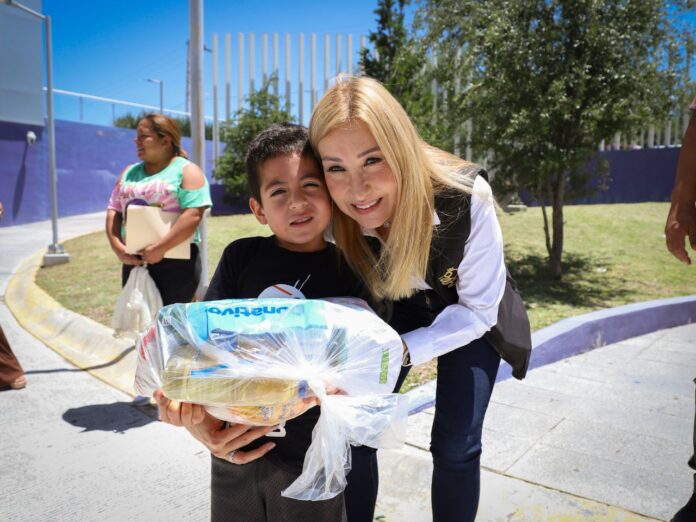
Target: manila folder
{"points": [[146, 225]]}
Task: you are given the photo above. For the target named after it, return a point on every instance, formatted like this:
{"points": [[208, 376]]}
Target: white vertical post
{"points": [[275, 64], [433, 91], [651, 136], [197, 123], [617, 141], [251, 63], [349, 53], [264, 55], [469, 134], [313, 69], [686, 116], [668, 133], [326, 61], [338, 54], [300, 73], [216, 129], [240, 70], [363, 45], [457, 90], [287, 72], [228, 75], [601, 146]]}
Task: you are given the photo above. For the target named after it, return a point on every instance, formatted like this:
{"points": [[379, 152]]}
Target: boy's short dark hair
{"points": [[276, 140]]}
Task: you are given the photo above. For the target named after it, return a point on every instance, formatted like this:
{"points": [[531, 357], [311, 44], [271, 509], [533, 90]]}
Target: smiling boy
{"points": [[289, 195]]}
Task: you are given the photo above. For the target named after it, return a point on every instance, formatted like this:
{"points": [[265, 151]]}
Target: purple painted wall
{"points": [[89, 159], [636, 176]]}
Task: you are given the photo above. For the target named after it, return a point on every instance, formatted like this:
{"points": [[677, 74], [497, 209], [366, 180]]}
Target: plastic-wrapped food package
{"points": [[257, 361]]}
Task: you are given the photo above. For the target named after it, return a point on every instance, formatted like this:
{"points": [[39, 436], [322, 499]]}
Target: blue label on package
{"points": [[255, 316]]}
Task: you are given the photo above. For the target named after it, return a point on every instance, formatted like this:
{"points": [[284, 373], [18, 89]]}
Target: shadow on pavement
{"points": [[113, 361], [116, 417]]}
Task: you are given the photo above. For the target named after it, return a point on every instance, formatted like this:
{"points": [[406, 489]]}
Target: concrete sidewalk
{"points": [[600, 436]]}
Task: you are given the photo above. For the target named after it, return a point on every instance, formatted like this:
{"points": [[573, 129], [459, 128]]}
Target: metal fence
{"points": [[303, 66]]}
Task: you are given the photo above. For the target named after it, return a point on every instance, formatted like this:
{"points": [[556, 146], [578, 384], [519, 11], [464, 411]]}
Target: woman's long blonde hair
{"points": [[421, 171]]}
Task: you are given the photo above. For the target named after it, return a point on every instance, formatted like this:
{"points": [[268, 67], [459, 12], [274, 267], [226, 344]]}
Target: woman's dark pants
{"points": [[465, 379]]}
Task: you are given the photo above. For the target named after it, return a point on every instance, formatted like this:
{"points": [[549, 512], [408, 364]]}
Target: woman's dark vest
{"points": [[511, 336]]}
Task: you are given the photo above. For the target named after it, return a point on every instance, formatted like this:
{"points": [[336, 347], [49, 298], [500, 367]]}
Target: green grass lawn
{"points": [[613, 255]]}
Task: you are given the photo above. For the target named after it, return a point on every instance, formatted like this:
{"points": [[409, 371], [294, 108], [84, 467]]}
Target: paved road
{"points": [[601, 436]]}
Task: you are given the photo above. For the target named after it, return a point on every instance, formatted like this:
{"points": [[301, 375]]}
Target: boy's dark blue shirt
{"points": [[253, 265]]}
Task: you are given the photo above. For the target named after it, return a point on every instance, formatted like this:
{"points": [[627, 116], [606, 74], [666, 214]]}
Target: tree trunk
{"points": [[556, 252]]}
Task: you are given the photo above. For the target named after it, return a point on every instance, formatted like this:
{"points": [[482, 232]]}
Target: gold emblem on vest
{"points": [[449, 278]]}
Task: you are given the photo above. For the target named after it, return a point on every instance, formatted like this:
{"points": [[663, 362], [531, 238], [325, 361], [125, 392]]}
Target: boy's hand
{"points": [[224, 439], [178, 413]]}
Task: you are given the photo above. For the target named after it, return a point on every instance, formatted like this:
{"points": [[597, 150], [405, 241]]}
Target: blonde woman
{"points": [[167, 179], [441, 262]]}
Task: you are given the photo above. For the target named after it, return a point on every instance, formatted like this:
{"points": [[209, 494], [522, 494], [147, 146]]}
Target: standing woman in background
{"points": [[441, 263], [167, 179]]}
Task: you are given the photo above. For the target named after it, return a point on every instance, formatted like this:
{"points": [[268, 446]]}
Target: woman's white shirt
{"points": [[480, 285]]}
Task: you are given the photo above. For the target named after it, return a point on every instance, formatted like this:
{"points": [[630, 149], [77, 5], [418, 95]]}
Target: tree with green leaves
{"points": [[548, 80], [263, 109], [398, 60]]}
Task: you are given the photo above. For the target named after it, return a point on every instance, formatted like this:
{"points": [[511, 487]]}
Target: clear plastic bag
{"points": [[137, 305], [255, 361]]}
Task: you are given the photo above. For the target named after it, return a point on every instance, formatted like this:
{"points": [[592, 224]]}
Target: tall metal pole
{"points": [[161, 93], [197, 123], [56, 254]]}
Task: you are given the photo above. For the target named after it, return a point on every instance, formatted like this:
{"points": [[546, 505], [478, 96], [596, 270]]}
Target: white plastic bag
{"points": [[254, 361], [137, 305]]}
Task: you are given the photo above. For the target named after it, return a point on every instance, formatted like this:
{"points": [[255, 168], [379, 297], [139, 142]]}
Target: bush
{"points": [[262, 110]]}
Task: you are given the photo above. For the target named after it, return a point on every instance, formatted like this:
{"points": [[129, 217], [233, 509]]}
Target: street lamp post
{"points": [[161, 87], [56, 254]]}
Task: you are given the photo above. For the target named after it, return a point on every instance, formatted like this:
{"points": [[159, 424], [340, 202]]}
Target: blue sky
{"points": [[109, 48]]}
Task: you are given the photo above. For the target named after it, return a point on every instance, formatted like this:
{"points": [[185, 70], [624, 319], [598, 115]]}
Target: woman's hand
{"points": [[152, 254], [123, 256]]}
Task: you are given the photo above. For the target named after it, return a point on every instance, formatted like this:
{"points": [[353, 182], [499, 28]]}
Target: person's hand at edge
{"points": [[681, 223]]}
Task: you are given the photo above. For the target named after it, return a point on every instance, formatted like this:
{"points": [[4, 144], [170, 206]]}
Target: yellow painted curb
{"points": [[78, 339]]}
